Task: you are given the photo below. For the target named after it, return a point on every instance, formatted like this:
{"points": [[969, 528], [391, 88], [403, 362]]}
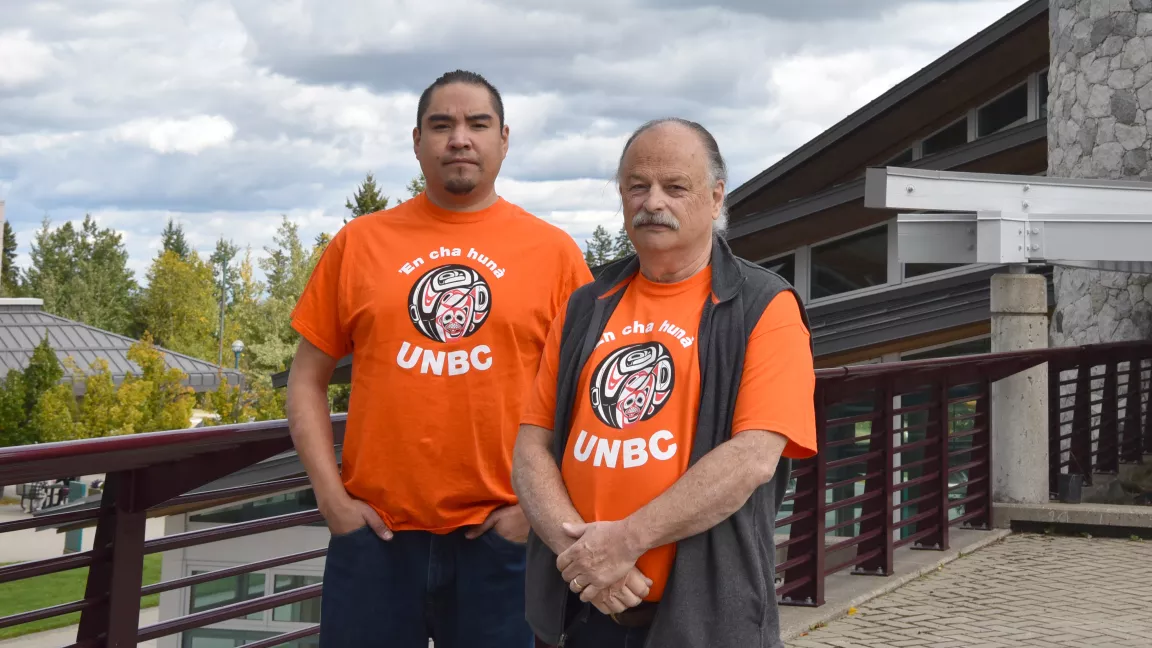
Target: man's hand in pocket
{"points": [[509, 522], [351, 514]]}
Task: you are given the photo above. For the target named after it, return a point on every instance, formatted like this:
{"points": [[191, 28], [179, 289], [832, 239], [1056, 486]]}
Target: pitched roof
{"points": [[23, 325], [932, 73]]}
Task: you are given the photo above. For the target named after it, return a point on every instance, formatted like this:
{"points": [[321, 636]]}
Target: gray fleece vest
{"points": [[721, 592]]}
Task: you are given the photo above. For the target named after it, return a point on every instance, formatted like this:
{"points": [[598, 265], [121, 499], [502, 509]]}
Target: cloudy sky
{"points": [[225, 114]]}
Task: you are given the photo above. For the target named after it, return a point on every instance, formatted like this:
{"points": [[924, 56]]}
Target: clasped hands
{"points": [[600, 566]]}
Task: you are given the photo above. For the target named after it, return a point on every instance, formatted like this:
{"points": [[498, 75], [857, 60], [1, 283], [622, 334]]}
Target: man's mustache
{"points": [[645, 217]]}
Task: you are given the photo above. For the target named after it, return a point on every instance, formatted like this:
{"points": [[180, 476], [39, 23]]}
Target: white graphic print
{"points": [[632, 384], [449, 303]]}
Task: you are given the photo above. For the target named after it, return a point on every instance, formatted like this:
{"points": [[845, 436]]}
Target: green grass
{"points": [[55, 589]]}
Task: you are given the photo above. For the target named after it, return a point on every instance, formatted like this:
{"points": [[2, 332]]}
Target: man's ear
{"points": [[416, 141]]}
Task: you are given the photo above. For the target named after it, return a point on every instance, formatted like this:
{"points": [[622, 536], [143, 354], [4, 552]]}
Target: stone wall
{"points": [[1101, 306], [1100, 126]]}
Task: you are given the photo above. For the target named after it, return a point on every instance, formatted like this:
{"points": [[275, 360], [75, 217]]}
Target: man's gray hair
{"points": [[717, 170]]}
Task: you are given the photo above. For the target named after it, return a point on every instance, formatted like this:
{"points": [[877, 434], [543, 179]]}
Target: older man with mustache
{"points": [[648, 459]]}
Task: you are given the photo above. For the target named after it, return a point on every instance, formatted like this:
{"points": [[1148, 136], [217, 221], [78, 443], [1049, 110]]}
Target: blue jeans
{"points": [[420, 585]]}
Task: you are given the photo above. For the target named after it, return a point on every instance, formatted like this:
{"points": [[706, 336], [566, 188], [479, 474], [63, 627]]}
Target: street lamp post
{"points": [[237, 349]]}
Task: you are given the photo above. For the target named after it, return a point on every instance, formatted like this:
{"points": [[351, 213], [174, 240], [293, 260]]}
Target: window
{"points": [[851, 263], [302, 612], [784, 266], [950, 137], [302, 500], [227, 591], [1007, 111], [970, 347], [1042, 91], [919, 269]]}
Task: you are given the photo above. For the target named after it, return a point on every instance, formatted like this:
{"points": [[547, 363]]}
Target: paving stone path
{"points": [[1028, 590]]}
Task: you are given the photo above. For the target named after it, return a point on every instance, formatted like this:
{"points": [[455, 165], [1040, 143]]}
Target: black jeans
{"points": [[593, 629], [419, 585]]}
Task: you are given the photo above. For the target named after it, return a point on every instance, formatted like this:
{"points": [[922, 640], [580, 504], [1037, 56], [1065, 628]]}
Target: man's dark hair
{"points": [[459, 76]]}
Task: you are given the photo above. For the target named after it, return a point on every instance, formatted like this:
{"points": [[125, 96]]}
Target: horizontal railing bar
{"points": [[854, 560], [797, 495], [968, 450], [30, 569], [967, 500], [229, 531], [918, 500], [853, 541], [839, 463], [966, 466], [952, 400], [915, 445], [794, 518], [913, 409], [853, 501], [52, 519], [916, 536], [852, 441], [923, 479], [252, 490], [865, 477], [46, 613], [273, 642], [795, 562], [919, 462], [923, 515], [971, 482], [968, 516], [798, 539], [860, 520], [224, 613], [850, 420], [967, 433], [788, 588], [178, 583]]}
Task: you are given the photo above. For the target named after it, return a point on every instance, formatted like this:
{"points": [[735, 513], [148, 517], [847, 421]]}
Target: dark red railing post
{"points": [[984, 469], [1108, 446], [939, 540], [1147, 407], [1130, 445], [117, 574], [878, 511], [1055, 404], [814, 484], [1081, 447]]}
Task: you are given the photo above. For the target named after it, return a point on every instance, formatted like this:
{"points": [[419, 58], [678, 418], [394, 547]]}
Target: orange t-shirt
{"points": [[638, 398], [446, 314]]}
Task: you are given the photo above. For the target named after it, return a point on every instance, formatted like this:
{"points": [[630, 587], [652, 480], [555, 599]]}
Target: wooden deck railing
{"points": [[904, 458]]}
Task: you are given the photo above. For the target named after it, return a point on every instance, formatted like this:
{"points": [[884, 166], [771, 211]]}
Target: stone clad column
{"points": [[1100, 126], [1019, 305]]}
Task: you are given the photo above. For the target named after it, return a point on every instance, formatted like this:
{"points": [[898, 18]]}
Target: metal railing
{"points": [[904, 458], [1099, 410]]}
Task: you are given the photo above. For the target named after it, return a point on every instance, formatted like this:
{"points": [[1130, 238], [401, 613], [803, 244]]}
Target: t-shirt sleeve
{"points": [[540, 404], [779, 380], [318, 314]]}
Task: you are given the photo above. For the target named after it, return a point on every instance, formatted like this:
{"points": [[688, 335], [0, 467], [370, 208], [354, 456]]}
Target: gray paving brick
{"points": [[1029, 590]]}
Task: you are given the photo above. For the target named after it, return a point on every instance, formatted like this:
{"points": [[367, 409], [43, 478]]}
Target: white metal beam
{"points": [[1015, 219], [899, 188]]}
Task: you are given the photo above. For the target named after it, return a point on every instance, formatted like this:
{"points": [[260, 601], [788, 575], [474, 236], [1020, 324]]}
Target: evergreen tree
{"points": [[179, 306], [9, 273], [82, 274], [599, 249], [417, 185], [173, 240], [367, 200], [622, 246]]}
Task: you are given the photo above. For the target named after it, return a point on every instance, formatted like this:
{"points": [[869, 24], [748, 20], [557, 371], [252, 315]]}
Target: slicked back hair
{"points": [[717, 169], [459, 76]]}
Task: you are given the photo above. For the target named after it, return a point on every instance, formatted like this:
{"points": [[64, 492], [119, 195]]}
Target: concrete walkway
{"points": [[1028, 590]]}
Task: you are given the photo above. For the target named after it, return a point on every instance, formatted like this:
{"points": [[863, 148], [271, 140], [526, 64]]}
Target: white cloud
{"points": [[191, 135], [22, 59], [225, 114]]}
